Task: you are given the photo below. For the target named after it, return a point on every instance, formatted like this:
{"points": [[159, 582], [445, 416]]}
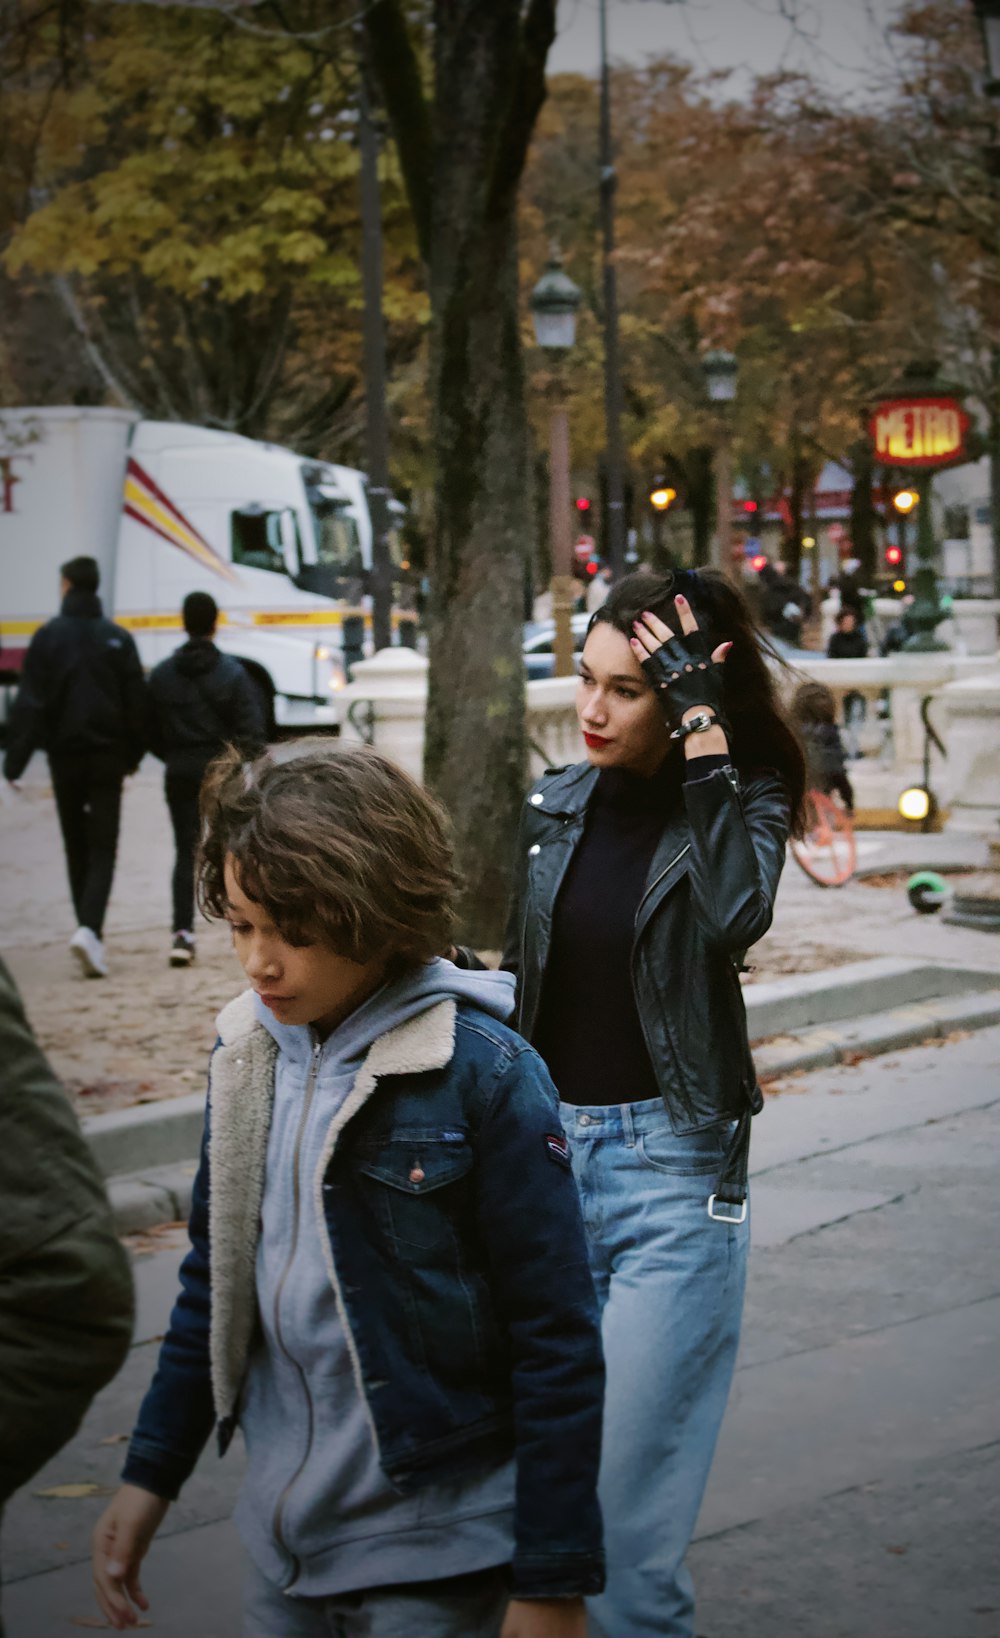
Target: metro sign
{"points": [[919, 431]]}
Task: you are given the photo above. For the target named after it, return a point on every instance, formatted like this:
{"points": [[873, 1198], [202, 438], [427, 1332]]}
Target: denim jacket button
{"points": [[533, 850], [417, 1175]]}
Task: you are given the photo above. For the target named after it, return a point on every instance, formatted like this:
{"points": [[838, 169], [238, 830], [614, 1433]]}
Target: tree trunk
{"points": [[475, 733], [462, 155]]}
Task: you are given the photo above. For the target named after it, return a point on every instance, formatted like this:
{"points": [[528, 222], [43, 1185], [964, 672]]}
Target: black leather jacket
{"points": [[709, 896]]}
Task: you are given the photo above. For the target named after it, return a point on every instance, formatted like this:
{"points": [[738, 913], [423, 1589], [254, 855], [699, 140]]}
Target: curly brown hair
{"points": [[336, 843]]}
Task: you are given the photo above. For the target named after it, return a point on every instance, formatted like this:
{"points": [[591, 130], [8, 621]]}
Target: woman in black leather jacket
{"points": [[644, 875]]}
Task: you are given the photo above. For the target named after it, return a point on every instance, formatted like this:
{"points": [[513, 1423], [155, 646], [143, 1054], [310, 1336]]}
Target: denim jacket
{"points": [[457, 1261]]}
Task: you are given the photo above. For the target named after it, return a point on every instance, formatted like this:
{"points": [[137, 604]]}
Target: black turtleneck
{"points": [[588, 1028]]}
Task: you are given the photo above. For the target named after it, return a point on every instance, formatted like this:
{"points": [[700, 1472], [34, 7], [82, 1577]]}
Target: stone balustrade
{"points": [[386, 700]]}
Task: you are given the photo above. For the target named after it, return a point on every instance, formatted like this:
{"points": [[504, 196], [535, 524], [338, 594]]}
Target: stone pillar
{"points": [[969, 713], [385, 703]]}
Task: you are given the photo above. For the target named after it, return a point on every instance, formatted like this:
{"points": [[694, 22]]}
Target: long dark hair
{"points": [[762, 735]]}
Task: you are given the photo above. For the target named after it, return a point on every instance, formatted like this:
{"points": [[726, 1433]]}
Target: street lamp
{"points": [[720, 370], [555, 302]]}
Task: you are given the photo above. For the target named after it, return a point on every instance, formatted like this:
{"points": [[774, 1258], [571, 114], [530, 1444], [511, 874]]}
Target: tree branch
{"points": [[538, 31], [392, 56]]}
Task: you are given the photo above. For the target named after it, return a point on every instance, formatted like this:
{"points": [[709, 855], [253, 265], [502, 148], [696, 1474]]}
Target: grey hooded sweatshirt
{"points": [[317, 1513]]}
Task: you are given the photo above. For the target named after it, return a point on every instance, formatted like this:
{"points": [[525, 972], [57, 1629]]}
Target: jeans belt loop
{"points": [[628, 1125]]}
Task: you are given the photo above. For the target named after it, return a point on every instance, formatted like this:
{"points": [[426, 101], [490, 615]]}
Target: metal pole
{"points": [[925, 612], [722, 544], [374, 336], [615, 521], [994, 436], [563, 585]]}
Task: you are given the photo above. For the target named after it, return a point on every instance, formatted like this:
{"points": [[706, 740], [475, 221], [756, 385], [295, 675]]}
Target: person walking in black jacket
{"points": [[82, 698], [644, 874], [200, 701]]}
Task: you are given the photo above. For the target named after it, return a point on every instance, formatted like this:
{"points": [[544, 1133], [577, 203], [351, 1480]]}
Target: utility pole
{"points": [[615, 520], [374, 337]]}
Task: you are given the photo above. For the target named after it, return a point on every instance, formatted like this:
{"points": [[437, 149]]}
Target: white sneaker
{"points": [[89, 952], [182, 950]]}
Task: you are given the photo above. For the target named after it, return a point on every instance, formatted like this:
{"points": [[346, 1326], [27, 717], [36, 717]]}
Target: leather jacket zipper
{"points": [[297, 1200], [642, 1023]]}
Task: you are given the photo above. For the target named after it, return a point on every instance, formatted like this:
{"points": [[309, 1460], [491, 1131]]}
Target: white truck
{"points": [[283, 543]]}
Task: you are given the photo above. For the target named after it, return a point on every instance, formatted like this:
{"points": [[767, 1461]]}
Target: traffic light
{"points": [[894, 556], [749, 506], [583, 507], [662, 497], [904, 500], [759, 562]]}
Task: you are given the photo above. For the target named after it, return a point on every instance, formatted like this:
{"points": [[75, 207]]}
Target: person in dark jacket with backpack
{"points": [[200, 701], [82, 698]]}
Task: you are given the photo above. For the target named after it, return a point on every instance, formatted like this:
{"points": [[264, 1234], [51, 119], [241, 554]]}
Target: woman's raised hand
{"points": [[686, 676]]}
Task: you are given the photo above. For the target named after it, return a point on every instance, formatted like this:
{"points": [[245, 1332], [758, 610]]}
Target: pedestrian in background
{"points": [[65, 1283], [200, 701], [82, 698], [387, 1286], [814, 710], [849, 642], [643, 876]]}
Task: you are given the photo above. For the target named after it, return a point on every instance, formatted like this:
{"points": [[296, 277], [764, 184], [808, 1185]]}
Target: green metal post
{"points": [[926, 612]]}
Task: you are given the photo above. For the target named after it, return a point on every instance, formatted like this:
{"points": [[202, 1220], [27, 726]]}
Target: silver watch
{"points": [[700, 723]]}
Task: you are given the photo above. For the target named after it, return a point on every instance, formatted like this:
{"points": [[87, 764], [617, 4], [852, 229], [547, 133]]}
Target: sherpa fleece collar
{"points": [[242, 1095]]}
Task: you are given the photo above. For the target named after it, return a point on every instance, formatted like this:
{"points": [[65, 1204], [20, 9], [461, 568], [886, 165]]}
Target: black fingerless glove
{"points": [[684, 675]]}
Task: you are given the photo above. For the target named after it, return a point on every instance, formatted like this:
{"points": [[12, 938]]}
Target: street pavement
{"points": [[855, 1494]]}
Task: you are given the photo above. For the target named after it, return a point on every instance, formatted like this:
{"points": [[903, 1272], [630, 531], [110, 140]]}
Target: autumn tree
{"points": [[193, 202]]}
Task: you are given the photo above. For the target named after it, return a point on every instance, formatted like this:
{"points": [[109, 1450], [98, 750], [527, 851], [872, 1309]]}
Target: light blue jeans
{"points": [[471, 1606], [670, 1283]]}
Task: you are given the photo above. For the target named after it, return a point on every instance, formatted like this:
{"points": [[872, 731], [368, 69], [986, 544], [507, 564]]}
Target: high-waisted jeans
{"points": [[670, 1283]]}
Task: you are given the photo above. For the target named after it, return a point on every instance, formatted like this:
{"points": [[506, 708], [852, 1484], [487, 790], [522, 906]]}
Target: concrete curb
{"points": [[140, 1200], [879, 1032]]}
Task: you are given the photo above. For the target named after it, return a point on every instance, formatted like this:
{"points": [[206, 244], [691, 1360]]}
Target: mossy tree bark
{"points": [[462, 148]]}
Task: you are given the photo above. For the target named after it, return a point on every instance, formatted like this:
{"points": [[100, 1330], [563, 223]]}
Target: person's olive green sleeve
{"points": [[66, 1301]]}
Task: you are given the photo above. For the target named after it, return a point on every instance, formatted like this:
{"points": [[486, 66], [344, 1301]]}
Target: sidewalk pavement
{"points": [[855, 1490]]}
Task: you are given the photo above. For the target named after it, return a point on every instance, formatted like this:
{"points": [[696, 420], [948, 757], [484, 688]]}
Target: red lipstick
{"points": [[594, 741]]}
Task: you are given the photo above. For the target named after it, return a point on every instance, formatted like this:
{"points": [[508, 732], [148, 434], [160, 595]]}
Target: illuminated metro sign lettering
{"points": [[919, 431]]}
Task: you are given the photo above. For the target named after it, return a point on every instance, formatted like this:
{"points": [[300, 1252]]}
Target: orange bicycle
{"points": [[826, 850]]}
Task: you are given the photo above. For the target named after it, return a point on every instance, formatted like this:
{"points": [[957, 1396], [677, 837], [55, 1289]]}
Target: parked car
{"points": [[539, 640]]}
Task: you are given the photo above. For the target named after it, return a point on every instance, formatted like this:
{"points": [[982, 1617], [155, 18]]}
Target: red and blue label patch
{"points": [[558, 1147]]}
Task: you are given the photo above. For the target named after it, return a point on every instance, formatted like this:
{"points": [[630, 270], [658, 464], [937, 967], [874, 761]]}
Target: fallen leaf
{"points": [[852, 1058], [73, 1492], [114, 1439]]}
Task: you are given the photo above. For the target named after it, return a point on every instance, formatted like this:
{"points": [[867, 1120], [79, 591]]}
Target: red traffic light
{"points": [[582, 504], [894, 554], [590, 568], [749, 506], [758, 562]]}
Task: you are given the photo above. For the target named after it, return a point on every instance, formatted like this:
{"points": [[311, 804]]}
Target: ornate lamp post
{"points": [[721, 369], [555, 301], [988, 15]]}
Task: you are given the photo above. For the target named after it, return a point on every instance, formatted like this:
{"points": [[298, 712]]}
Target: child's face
{"points": [[301, 984]]}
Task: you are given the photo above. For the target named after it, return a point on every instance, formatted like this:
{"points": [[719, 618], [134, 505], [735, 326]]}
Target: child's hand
{"points": [[545, 1618], [121, 1539]]}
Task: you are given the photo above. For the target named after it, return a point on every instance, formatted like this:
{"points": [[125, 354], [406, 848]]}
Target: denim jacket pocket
{"points": [[417, 1183]]}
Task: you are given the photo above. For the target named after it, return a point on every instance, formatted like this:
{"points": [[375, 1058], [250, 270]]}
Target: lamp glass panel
{"points": [[554, 329], [722, 388]]}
